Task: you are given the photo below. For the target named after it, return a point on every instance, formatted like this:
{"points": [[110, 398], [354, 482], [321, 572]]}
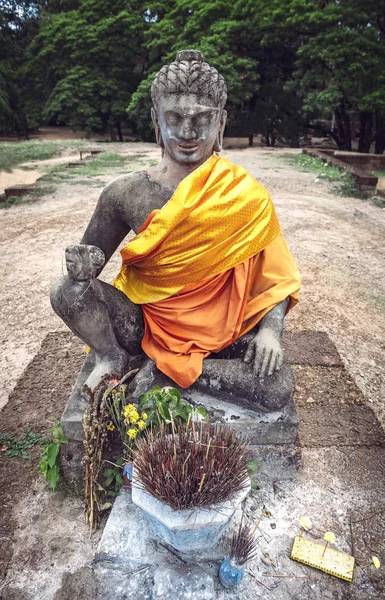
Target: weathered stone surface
{"points": [[72, 419], [128, 537], [380, 189], [310, 348], [339, 425], [120, 582], [22, 189], [371, 162], [325, 386], [258, 428], [365, 182], [183, 583], [79, 585]]}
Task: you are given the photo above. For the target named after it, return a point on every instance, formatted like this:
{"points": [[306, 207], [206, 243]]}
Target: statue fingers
{"points": [[265, 362], [273, 363], [258, 359], [249, 354], [279, 364]]}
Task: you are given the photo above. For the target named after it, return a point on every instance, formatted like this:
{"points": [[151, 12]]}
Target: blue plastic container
{"points": [[230, 574]]}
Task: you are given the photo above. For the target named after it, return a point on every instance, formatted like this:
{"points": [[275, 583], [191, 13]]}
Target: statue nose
{"points": [[188, 132]]}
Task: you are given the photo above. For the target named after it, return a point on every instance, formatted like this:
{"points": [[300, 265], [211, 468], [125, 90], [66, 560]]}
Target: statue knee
{"points": [[277, 390], [64, 292]]}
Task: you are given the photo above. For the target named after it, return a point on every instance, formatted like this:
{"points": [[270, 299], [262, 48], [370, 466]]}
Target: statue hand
{"points": [[266, 350], [84, 262]]}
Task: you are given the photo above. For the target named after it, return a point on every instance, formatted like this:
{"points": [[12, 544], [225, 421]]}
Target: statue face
{"points": [[189, 126]]}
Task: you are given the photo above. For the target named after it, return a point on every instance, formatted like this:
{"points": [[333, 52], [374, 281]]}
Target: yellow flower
{"points": [[144, 416], [141, 424], [132, 433], [375, 562], [305, 522], [131, 415], [110, 427], [329, 536]]}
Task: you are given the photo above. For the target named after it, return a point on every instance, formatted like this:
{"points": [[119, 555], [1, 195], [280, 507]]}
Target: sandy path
{"points": [[337, 243]]}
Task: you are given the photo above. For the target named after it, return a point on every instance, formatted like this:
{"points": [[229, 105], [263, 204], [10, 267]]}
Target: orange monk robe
{"points": [[207, 267]]}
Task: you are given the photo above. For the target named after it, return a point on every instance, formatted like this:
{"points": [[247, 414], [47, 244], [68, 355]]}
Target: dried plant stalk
{"points": [[197, 465], [95, 428], [243, 545]]}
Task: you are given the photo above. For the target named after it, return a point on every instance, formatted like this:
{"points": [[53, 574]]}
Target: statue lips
{"points": [[187, 149]]}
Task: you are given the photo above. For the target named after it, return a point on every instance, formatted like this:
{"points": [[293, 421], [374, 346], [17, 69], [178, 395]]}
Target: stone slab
{"points": [[72, 419], [128, 537], [325, 386], [257, 428], [364, 181], [21, 189], [310, 348], [339, 425]]}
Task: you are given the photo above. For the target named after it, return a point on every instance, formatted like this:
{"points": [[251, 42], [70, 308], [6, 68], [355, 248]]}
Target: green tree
{"points": [[18, 25], [87, 60]]}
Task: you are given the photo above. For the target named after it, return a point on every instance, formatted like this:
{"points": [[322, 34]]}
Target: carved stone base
{"points": [[258, 428]]}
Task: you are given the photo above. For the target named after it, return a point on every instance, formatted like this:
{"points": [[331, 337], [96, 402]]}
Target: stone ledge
{"points": [[365, 182]]}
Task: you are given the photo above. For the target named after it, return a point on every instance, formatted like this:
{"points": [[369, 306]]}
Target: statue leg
{"points": [[235, 381], [229, 376], [104, 318]]}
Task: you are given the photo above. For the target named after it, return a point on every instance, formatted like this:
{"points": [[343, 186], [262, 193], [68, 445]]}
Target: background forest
{"points": [[290, 65]]}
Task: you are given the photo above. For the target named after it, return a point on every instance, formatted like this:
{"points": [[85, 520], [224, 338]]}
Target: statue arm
{"points": [[108, 225], [107, 228]]}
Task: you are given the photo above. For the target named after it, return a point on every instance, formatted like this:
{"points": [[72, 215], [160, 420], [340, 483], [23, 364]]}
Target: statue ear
{"points": [[219, 141], [158, 134]]}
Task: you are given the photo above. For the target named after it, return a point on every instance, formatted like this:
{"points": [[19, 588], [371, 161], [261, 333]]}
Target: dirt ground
{"points": [[338, 244]]}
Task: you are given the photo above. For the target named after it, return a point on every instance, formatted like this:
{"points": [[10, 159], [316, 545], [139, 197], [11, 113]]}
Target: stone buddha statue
{"points": [[207, 280]]}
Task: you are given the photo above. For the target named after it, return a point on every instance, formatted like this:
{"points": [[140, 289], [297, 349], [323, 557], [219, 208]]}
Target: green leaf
{"points": [[53, 475], [52, 453], [253, 465], [143, 399], [201, 411], [182, 412], [43, 468], [119, 480], [164, 411], [175, 396], [253, 485], [109, 480]]}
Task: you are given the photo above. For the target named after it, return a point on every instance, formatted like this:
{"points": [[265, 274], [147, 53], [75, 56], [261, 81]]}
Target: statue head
{"points": [[189, 117]]}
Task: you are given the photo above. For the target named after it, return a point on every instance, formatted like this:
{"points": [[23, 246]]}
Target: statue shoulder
{"points": [[122, 188]]}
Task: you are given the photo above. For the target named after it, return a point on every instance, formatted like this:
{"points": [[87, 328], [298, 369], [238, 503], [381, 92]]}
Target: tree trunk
{"points": [[343, 136], [112, 134], [251, 139], [380, 134], [366, 127], [267, 138], [118, 127]]}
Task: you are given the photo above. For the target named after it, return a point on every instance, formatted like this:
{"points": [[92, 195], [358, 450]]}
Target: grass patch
{"points": [[15, 153], [345, 185], [14, 445], [378, 301], [34, 195], [378, 174]]}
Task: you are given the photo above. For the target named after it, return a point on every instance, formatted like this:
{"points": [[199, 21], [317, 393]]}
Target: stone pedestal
{"points": [[258, 428], [262, 430]]}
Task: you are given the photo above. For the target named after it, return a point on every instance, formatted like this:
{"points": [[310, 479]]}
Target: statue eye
{"points": [[203, 119], [173, 119]]}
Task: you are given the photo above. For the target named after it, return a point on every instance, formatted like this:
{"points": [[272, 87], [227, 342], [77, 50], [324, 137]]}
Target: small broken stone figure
{"points": [[207, 280]]}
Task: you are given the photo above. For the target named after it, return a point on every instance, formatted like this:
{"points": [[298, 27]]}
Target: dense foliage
{"points": [[290, 66]]}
